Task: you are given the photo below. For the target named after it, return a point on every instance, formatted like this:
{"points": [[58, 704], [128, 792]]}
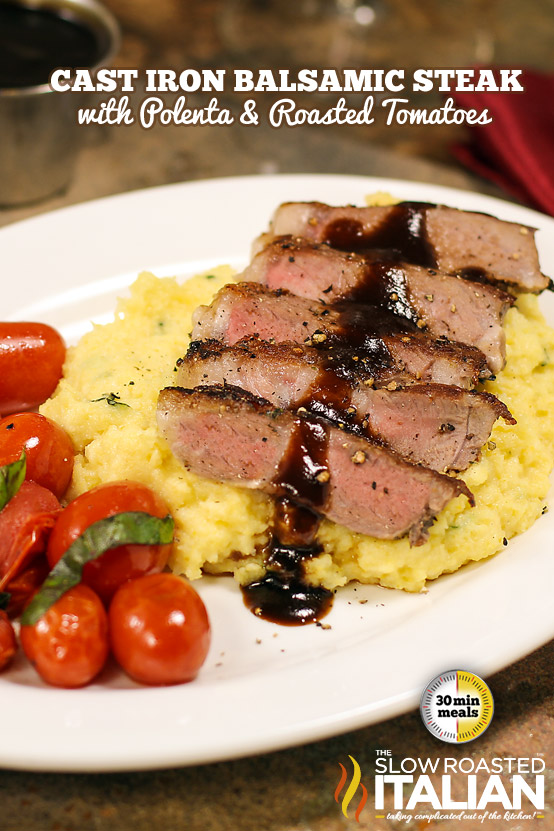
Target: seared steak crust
{"points": [[229, 435], [445, 305], [337, 376], [391, 349], [442, 427], [459, 242]]}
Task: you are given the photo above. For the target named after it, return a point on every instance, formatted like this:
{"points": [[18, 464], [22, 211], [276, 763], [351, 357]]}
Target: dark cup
{"points": [[39, 134]]}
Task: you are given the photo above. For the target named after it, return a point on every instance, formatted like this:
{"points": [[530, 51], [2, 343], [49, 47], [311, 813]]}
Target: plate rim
{"points": [[321, 727]]}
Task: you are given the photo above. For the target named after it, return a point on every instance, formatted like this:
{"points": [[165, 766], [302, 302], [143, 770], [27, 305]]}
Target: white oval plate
{"points": [[263, 687]]}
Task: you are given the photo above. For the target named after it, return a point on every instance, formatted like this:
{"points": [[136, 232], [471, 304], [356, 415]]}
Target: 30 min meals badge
{"points": [[456, 706]]}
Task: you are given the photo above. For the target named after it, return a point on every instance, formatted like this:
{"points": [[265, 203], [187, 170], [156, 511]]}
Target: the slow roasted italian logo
{"points": [[351, 790]]}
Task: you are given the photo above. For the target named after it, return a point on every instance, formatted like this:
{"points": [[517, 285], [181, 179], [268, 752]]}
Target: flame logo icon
{"points": [[351, 790]]}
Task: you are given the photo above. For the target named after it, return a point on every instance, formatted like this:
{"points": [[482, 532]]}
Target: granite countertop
{"points": [[290, 789]]}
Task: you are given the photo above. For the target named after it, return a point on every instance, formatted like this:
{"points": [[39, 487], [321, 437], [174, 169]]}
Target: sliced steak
{"points": [[446, 305], [441, 427], [474, 245], [231, 436], [308, 269], [391, 349]]}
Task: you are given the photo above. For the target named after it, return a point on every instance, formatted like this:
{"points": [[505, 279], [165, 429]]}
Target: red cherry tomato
{"points": [[68, 645], [31, 362], [47, 446], [8, 643], [159, 629], [25, 523], [114, 567], [23, 586]]}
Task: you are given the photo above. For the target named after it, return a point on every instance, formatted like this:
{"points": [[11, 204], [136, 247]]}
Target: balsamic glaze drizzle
{"points": [[385, 287], [304, 474], [402, 235], [360, 323], [282, 594]]}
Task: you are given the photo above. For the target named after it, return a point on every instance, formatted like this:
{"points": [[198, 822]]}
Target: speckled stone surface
{"points": [[292, 790]]}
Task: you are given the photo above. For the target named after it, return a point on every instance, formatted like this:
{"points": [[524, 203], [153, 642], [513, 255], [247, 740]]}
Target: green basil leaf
{"points": [[130, 527], [12, 477], [4, 600]]}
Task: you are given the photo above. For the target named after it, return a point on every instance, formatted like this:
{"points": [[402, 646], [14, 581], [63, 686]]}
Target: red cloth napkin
{"points": [[516, 151]]}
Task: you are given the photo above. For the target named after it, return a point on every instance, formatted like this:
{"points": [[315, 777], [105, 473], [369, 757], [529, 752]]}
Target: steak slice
{"points": [[441, 427], [475, 245], [448, 306], [232, 436], [391, 349]]}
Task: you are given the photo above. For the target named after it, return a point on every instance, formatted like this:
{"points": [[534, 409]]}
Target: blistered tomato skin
{"points": [[25, 523], [68, 645], [8, 642], [25, 584], [113, 568], [31, 363], [159, 629], [48, 449]]}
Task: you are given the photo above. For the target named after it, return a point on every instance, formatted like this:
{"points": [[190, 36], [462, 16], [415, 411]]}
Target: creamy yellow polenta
{"points": [[107, 402]]}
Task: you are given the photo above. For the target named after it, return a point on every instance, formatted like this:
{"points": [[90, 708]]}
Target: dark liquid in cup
{"points": [[34, 42]]}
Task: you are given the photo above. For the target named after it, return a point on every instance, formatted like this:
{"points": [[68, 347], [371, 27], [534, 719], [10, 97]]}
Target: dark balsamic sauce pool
{"points": [[282, 595], [34, 42]]}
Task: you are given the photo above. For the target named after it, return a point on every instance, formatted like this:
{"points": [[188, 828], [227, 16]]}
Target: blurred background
{"points": [[293, 789], [226, 34]]}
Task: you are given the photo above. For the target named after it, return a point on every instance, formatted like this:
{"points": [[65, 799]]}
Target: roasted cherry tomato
{"points": [[68, 645], [31, 362], [23, 586], [159, 629], [8, 643], [111, 569], [47, 447], [25, 523]]}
